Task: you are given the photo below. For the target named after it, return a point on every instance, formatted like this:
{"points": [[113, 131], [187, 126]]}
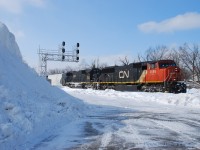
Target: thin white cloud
{"points": [[185, 21], [16, 6]]}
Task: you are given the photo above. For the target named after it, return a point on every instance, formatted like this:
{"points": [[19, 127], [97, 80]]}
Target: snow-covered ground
{"points": [[36, 115], [128, 120], [191, 99]]}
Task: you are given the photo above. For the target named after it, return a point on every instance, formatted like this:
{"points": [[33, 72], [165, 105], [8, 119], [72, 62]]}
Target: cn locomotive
{"points": [[149, 76]]}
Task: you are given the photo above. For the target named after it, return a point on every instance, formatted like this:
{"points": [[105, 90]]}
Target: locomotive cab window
{"points": [[152, 66], [165, 65]]}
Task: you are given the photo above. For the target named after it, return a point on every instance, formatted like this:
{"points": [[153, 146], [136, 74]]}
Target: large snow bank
{"points": [[7, 40], [29, 106]]}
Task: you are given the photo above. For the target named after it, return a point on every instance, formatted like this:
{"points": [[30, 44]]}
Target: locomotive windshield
{"points": [[166, 64]]}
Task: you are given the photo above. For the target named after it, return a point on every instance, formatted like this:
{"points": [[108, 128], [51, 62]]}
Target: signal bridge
{"points": [[57, 55]]}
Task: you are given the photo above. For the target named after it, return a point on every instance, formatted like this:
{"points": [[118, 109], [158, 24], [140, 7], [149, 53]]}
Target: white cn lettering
{"points": [[123, 74]]}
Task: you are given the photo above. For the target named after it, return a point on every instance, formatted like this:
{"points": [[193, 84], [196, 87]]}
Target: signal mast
{"points": [[57, 55]]}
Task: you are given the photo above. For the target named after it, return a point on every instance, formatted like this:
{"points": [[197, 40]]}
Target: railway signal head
{"points": [[63, 43], [77, 52], [63, 50], [63, 57]]}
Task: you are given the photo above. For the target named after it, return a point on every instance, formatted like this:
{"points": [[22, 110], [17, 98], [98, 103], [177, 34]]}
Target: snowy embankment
{"points": [[189, 99], [29, 105]]}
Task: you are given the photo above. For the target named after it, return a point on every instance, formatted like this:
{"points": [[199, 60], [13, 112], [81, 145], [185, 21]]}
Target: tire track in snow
{"points": [[139, 140], [105, 140]]}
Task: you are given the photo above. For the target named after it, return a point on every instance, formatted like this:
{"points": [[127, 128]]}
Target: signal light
{"points": [[77, 51], [63, 57], [77, 58], [77, 45], [63, 50], [63, 43]]}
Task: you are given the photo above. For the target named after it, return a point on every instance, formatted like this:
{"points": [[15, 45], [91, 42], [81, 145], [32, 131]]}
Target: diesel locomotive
{"points": [[149, 76]]}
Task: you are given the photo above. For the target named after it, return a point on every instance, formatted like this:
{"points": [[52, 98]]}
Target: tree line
{"points": [[186, 56]]}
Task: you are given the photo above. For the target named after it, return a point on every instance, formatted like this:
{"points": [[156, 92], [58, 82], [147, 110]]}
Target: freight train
{"points": [[149, 76]]}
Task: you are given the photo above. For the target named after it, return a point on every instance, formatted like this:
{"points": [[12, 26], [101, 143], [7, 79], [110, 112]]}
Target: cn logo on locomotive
{"points": [[123, 74]]}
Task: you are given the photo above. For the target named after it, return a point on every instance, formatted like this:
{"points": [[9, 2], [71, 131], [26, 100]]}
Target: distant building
{"points": [[54, 79]]}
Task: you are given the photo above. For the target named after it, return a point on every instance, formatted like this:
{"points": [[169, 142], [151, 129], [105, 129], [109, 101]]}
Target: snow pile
{"points": [[7, 40], [189, 99], [29, 106]]}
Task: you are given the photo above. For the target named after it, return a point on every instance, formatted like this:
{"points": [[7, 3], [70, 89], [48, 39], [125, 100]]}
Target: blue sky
{"points": [[105, 29]]}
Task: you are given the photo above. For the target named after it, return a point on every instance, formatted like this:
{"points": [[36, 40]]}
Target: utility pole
{"points": [[56, 55]]}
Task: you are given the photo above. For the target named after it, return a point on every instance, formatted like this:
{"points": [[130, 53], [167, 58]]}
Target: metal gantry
{"points": [[56, 55]]}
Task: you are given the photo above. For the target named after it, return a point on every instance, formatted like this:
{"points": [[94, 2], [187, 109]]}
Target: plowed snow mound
{"points": [[29, 106]]}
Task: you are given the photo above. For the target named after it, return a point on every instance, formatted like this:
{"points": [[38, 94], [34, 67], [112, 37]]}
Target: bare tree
{"points": [[140, 58], [103, 65], [93, 64], [186, 57], [190, 56], [157, 53], [97, 64], [173, 54], [153, 54], [124, 61]]}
